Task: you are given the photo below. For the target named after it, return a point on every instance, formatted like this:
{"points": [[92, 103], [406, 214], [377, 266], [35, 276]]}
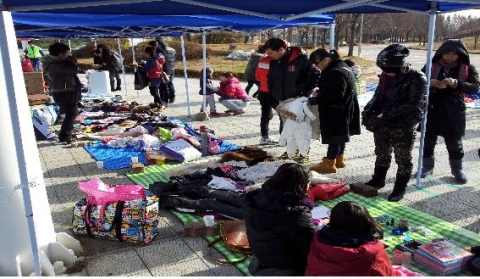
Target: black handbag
{"points": [[372, 123], [140, 79]]}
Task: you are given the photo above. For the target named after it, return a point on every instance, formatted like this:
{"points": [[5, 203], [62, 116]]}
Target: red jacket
{"points": [[369, 259], [261, 73], [232, 89]]}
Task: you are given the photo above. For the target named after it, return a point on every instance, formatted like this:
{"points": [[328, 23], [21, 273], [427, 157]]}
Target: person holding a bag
{"points": [[337, 106], [279, 223], [452, 76], [392, 114], [153, 68]]}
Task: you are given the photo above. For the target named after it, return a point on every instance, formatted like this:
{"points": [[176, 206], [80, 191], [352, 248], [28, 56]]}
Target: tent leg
{"points": [[204, 46], [185, 74], [123, 67], [332, 35], [428, 67]]}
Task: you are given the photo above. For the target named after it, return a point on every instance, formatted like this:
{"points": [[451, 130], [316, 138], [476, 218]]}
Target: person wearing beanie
{"points": [[396, 107], [452, 76]]}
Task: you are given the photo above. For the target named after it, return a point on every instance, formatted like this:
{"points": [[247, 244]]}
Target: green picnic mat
{"points": [[157, 173], [379, 206], [376, 206]]}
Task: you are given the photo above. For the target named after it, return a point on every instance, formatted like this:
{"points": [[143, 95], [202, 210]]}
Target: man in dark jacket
{"points": [[399, 101], [112, 65], [452, 77], [290, 75], [65, 86]]}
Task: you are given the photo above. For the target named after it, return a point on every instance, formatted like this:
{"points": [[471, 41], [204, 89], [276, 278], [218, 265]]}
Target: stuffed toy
{"points": [[297, 130]]}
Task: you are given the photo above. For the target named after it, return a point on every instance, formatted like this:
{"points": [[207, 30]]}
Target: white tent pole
{"points": [[185, 74], [204, 77], [69, 44], [133, 60], [332, 35], [95, 42], [123, 66], [21, 171], [428, 69]]}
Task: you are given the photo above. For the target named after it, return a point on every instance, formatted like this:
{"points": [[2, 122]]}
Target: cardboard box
{"points": [[38, 99]]}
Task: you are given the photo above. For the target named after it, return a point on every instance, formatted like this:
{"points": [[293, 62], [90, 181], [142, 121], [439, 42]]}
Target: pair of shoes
{"points": [[118, 89], [301, 159], [284, 156], [268, 141], [214, 113], [229, 111]]}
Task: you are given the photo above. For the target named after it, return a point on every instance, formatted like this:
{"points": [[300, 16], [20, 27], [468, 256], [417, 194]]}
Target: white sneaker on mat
{"points": [[268, 141]]}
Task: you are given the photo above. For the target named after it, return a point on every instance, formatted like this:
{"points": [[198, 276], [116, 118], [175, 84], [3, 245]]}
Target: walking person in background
{"points": [[397, 107], [452, 77], [34, 53], [232, 95], [349, 245], [209, 92], [290, 76], [65, 87], [279, 223], [111, 62], [268, 103], [250, 70], [338, 107], [169, 67]]}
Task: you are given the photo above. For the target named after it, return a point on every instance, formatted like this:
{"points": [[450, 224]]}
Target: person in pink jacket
{"points": [[232, 95]]}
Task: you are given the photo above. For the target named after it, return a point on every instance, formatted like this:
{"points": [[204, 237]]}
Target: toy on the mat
{"points": [[403, 224], [423, 231], [397, 232], [382, 219]]}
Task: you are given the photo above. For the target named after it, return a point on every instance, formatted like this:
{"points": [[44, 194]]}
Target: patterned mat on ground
{"points": [[379, 206], [115, 158], [376, 207], [157, 173]]}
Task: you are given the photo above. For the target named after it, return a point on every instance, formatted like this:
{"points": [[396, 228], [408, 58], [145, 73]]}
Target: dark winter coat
{"points": [[289, 77], [332, 254], [110, 58], [408, 105], [446, 107], [252, 66], [279, 229], [337, 104], [62, 74]]}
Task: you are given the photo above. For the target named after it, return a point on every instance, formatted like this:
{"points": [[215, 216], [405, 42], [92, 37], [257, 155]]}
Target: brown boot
{"points": [[340, 162], [326, 166]]}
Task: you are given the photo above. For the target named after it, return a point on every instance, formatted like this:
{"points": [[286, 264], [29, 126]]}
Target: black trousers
{"points": [[155, 92], [400, 141], [67, 101], [171, 88], [335, 149], [454, 146], [114, 75], [268, 103]]}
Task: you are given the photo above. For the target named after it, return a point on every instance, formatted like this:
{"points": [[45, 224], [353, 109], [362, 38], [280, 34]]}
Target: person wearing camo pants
{"points": [[399, 103]]}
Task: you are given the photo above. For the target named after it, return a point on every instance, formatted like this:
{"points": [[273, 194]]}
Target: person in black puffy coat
{"points": [[452, 76], [279, 223]]}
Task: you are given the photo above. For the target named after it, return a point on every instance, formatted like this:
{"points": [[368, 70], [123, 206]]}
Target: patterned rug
{"points": [[376, 206]]}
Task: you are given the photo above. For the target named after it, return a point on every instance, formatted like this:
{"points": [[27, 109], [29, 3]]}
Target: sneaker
{"points": [[268, 141], [302, 160], [214, 113], [284, 156]]}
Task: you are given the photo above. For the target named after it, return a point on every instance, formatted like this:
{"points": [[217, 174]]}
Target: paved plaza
{"points": [[172, 254]]}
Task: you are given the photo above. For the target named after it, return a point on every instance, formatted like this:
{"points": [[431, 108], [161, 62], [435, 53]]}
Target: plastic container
{"points": [[209, 220], [407, 258]]}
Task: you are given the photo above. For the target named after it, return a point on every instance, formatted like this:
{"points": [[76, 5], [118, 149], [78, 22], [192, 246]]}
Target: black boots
{"points": [[427, 166], [457, 171], [378, 178], [399, 188]]}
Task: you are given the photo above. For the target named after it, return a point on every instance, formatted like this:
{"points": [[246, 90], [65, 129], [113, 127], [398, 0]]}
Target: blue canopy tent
{"points": [[20, 142]]}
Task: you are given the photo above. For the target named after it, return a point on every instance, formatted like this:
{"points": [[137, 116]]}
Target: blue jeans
{"points": [[335, 149], [37, 66]]}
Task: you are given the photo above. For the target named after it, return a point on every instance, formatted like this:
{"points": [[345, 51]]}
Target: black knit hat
{"points": [[393, 56]]}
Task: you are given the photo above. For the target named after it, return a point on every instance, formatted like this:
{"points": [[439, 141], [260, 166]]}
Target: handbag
{"points": [[234, 235], [372, 123], [140, 79]]}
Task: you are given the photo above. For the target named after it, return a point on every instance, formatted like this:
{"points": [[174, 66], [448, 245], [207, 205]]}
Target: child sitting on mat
{"points": [[348, 245]]}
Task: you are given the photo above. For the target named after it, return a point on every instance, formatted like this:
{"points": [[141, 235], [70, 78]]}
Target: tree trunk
{"points": [[189, 37], [246, 38], [360, 37], [352, 36]]}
